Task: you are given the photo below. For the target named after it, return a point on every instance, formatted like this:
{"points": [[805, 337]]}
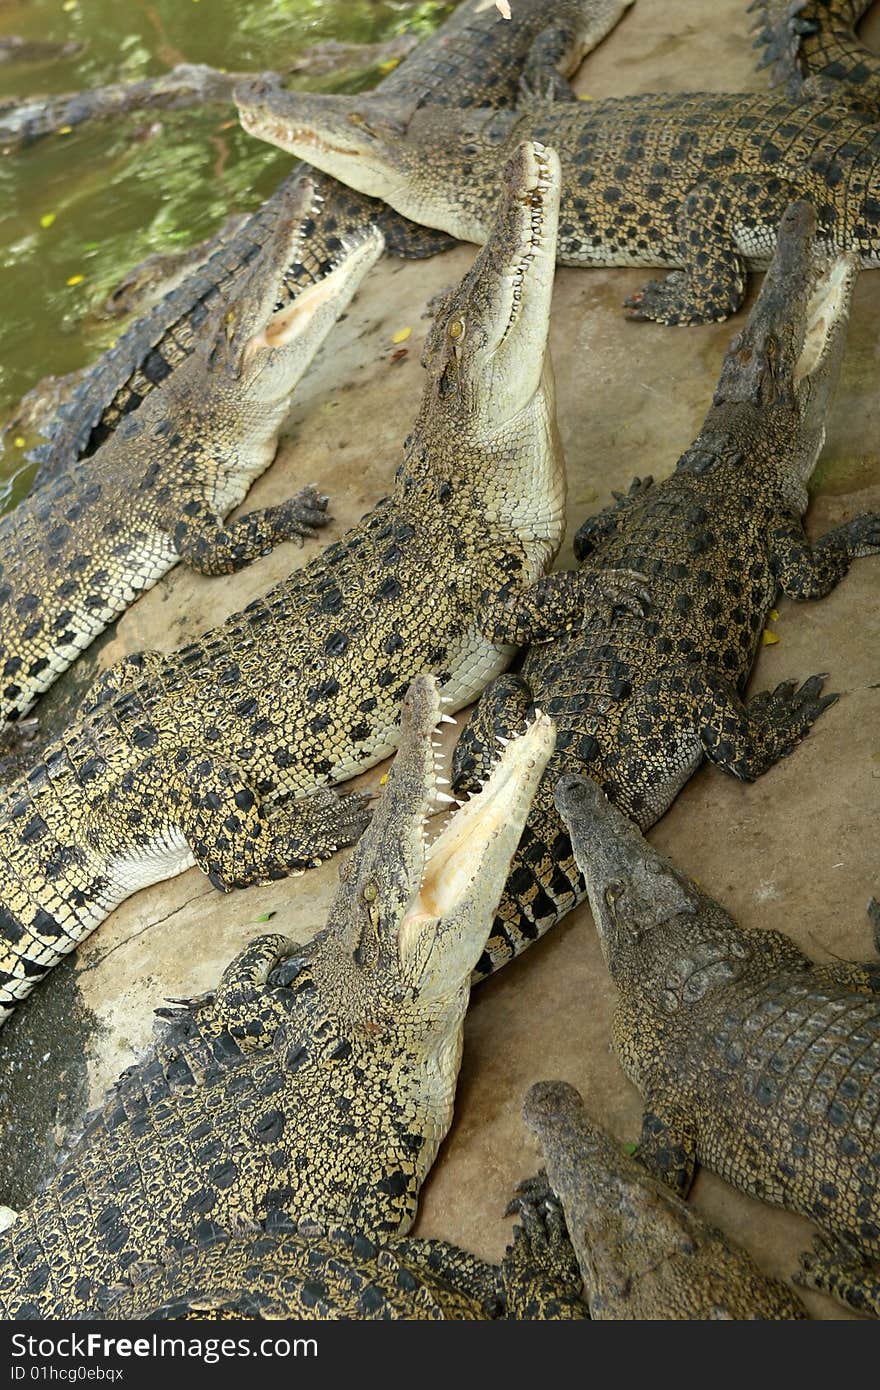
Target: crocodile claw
{"points": [[621, 589]]}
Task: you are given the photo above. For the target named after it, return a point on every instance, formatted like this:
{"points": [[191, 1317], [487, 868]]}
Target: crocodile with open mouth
{"points": [[694, 181], [77, 552], [640, 704], [222, 753], [313, 1088]]}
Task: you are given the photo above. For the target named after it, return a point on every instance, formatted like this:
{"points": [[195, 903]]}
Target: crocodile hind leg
{"points": [[747, 739], [209, 547], [502, 711], [808, 571], [711, 284], [238, 839], [832, 1267], [540, 1273]]}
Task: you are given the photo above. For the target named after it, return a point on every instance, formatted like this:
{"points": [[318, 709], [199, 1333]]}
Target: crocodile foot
{"points": [[676, 300], [788, 713], [301, 516], [834, 1268], [540, 1271]]}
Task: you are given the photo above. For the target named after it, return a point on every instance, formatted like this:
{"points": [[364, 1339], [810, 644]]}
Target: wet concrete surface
{"points": [[796, 851]]}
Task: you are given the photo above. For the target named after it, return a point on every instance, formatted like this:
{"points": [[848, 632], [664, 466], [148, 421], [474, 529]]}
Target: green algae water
{"points": [[77, 211]]}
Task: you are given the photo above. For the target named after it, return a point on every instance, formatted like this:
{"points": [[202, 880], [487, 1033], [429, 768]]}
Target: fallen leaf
{"points": [[19, 441], [389, 65], [768, 638], [65, 129], [399, 354], [503, 8], [774, 616], [383, 779], [75, 279], [265, 917], [47, 219], [584, 96], [401, 335], [68, 6]]}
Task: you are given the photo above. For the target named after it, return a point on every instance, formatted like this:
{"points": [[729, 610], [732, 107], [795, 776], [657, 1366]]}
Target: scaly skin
{"points": [[751, 1059], [221, 753], [316, 1084], [77, 553], [695, 181], [272, 1274], [476, 57], [815, 40], [641, 701], [643, 1252]]}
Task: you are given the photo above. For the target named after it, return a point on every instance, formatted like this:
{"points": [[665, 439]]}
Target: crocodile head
{"points": [[438, 166], [390, 977], [666, 943], [257, 352], [781, 371], [485, 353], [622, 1224]]}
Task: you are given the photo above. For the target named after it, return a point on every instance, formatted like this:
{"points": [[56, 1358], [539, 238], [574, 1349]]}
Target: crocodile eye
{"points": [[456, 329], [613, 892]]}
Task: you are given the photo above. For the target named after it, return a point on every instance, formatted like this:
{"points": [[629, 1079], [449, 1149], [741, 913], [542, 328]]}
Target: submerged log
{"points": [[189, 84]]}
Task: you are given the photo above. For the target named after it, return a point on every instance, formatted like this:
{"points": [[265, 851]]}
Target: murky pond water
{"points": [[78, 210]]}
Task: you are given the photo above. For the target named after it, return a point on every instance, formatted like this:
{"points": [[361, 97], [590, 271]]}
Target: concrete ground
{"points": [[797, 851]]}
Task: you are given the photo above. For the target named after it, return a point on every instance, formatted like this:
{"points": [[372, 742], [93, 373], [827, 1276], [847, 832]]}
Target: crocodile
{"points": [[815, 41], [695, 181], [474, 56], [75, 554], [753, 1060], [316, 1083], [223, 753], [642, 1251], [639, 704]]}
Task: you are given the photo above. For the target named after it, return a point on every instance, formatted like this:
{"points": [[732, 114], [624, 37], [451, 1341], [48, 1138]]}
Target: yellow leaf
{"points": [[19, 441], [65, 129], [389, 65], [774, 616], [584, 96], [75, 279], [47, 219], [768, 638], [401, 335], [383, 779], [68, 6]]}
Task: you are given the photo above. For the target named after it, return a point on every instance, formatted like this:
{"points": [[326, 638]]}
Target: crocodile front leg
{"points": [[540, 1273], [862, 976], [209, 547], [711, 284], [667, 1148], [806, 571], [598, 528], [502, 710], [511, 615], [747, 739], [243, 1003], [121, 676], [239, 839], [834, 1268]]}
